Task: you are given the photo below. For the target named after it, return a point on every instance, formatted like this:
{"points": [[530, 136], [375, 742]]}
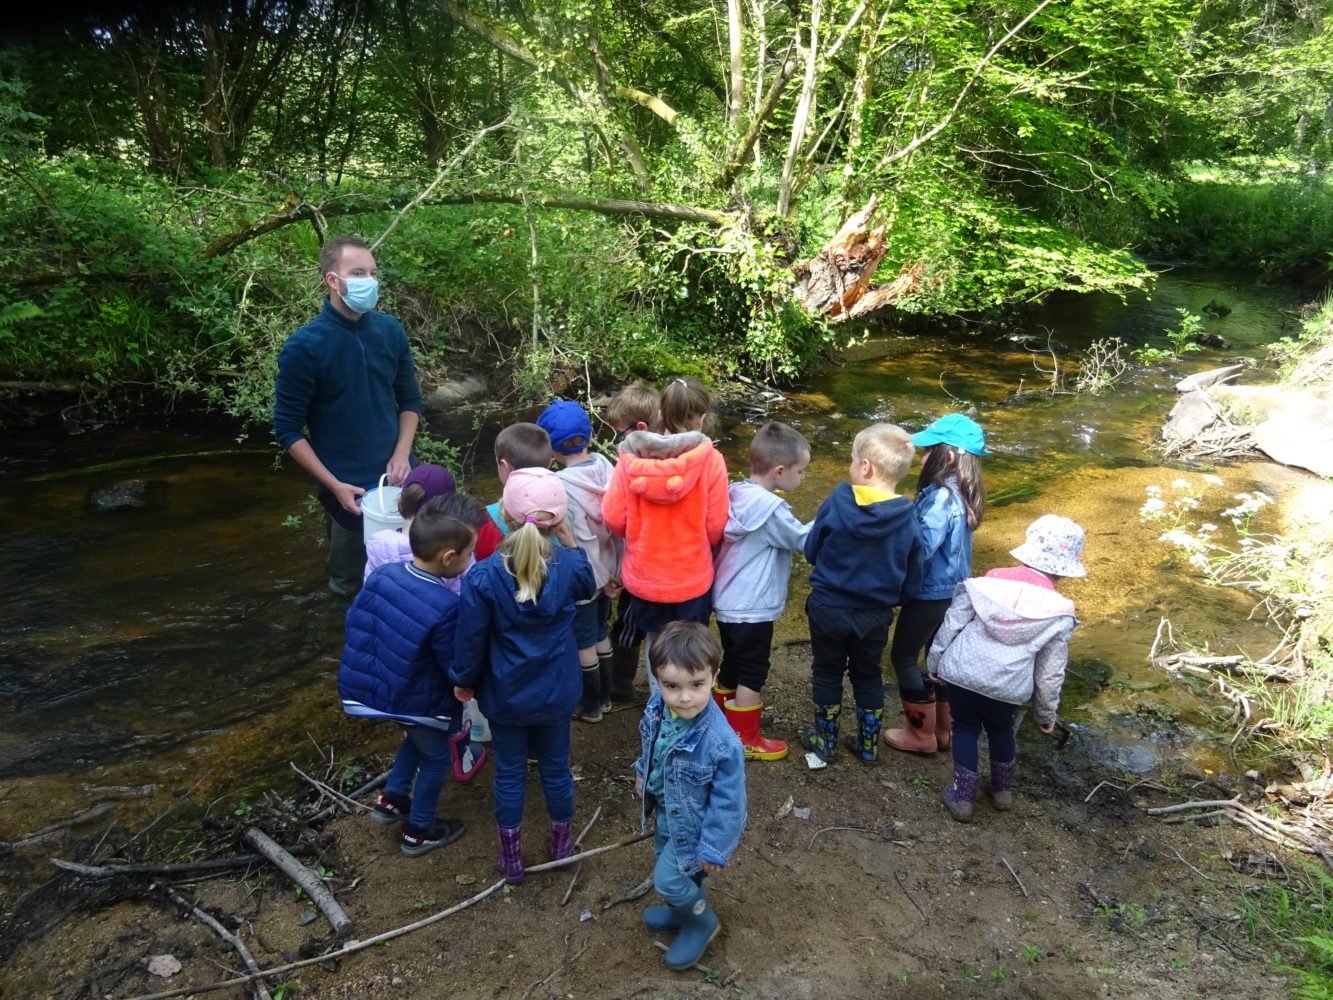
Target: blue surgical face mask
{"points": [[361, 294]]}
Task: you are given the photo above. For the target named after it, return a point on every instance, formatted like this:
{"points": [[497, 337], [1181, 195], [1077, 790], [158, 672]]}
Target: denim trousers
{"points": [[671, 883], [973, 712], [548, 745], [424, 755]]}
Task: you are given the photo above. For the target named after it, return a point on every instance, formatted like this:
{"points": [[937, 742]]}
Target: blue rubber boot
{"points": [[821, 739], [698, 926], [661, 918]]}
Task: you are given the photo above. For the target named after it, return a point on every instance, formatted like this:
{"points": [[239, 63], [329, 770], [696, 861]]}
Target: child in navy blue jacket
{"points": [[400, 646], [692, 775], [517, 653], [865, 547]]}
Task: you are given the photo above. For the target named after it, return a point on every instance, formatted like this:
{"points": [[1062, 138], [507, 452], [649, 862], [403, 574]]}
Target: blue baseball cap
{"points": [[563, 420], [955, 429]]}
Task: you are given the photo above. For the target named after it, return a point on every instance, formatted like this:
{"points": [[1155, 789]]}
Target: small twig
{"points": [[1193, 816], [628, 897], [369, 786], [563, 962], [579, 867], [1015, 875], [1089, 796], [261, 990], [712, 973], [336, 795], [1152, 653], [1196, 871], [851, 829], [1210, 804]]}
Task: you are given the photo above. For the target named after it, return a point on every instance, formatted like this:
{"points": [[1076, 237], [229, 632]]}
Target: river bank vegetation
{"points": [[567, 190]]}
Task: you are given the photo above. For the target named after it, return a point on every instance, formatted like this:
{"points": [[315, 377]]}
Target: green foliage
{"points": [[1182, 339]]}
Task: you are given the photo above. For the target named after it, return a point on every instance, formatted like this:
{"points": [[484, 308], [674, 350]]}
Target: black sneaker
{"points": [[387, 812], [441, 832]]}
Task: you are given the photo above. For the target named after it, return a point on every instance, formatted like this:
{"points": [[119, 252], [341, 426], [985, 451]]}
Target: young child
{"points": [[1004, 640], [585, 476], [950, 502], [637, 407], [516, 651], [865, 547], [423, 483], [400, 646], [750, 578], [691, 773], [668, 500], [518, 446]]}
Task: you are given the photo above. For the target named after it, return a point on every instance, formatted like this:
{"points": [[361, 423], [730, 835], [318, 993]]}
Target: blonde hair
{"points": [[684, 400], [526, 550], [888, 448], [636, 403]]}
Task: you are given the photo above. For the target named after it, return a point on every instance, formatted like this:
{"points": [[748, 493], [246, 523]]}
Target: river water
{"points": [[187, 645]]}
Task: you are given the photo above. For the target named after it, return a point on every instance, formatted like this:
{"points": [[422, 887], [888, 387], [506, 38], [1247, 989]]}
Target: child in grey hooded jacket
{"points": [[750, 578], [1005, 641]]}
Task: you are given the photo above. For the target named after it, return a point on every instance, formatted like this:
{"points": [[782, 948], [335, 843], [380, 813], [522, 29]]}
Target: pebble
{"points": [[958, 873]]}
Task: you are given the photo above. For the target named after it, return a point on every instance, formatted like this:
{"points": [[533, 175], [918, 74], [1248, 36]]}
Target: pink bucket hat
{"points": [[529, 492], [1054, 545]]}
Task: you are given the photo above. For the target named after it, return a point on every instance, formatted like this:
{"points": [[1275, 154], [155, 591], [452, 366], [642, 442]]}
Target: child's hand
{"points": [[613, 589], [711, 869], [1047, 727], [463, 694], [564, 535], [638, 785]]}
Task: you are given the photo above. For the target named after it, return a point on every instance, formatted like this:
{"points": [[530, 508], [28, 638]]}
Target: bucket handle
{"points": [[379, 495]]}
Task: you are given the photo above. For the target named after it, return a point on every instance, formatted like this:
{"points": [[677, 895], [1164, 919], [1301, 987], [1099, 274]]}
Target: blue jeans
{"points": [[973, 712], [424, 755], [670, 882], [512, 746]]}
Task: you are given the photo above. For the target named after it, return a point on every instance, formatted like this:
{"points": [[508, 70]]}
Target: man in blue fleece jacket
{"points": [[347, 402]]}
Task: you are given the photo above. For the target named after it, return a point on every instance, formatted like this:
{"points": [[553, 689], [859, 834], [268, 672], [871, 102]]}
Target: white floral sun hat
{"points": [[1054, 545]]}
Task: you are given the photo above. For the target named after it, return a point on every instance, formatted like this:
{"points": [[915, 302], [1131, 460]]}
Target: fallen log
{"points": [[312, 884]]}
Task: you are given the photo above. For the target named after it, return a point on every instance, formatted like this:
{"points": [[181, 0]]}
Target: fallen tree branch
{"points": [[1016, 878], [369, 786], [176, 868], [579, 867], [637, 892], [261, 989], [312, 884], [354, 946]]}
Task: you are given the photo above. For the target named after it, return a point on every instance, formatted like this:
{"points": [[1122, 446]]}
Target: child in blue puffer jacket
{"points": [[950, 502], [400, 646], [692, 775]]}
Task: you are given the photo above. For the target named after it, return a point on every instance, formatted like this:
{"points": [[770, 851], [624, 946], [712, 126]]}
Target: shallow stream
{"points": [[189, 645]]}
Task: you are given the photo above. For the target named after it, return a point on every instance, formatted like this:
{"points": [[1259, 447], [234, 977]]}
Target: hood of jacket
{"points": [[872, 522], [750, 506], [663, 468], [1015, 613], [586, 484]]}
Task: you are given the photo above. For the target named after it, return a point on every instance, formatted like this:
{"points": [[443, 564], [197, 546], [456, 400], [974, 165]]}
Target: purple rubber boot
{"points": [[960, 797], [559, 841], [510, 859], [1002, 784]]}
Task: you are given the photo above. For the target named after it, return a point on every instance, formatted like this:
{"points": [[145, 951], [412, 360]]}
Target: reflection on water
{"points": [[139, 632]]}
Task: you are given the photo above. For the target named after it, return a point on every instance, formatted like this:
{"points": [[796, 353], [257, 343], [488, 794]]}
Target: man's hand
{"points": [[638, 785], [711, 869], [347, 496], [462, 693], [398, 468]]}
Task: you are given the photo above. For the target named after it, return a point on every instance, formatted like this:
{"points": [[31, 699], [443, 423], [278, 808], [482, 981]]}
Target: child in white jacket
{"points": [[750, 578], [586, 475], [1005, 641]]}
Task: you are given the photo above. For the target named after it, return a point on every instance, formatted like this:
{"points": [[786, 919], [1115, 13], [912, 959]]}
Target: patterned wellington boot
{"points": [[864, 743], [1002, 784], [960, 797], [821, 739], [559, 843], [510, 859], [919, 735]]}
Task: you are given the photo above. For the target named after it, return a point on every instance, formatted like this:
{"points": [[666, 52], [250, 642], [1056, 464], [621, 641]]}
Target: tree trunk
{"points": [[835, 283], [736, 35]]}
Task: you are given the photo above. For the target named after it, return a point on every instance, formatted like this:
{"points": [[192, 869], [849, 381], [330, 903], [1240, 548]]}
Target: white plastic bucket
{"points": [[379, 509], [481, 729]]}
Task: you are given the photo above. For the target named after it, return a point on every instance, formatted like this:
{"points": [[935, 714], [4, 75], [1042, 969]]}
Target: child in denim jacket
{"points": [[692, 773]]}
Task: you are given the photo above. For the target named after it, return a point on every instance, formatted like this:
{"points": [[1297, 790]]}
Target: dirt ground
{"points": [[876, 893]]}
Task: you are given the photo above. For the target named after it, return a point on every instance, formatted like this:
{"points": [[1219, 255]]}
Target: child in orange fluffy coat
{"points": [[668, 500]]}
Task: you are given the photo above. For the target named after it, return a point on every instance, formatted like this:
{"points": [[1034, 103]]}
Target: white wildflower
{"points": [[1153, 491], [1199, 560], [1151, 506], [1181, 484], [1178, 537], [1214, 480], [1188, 503], [1207, 527]]}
